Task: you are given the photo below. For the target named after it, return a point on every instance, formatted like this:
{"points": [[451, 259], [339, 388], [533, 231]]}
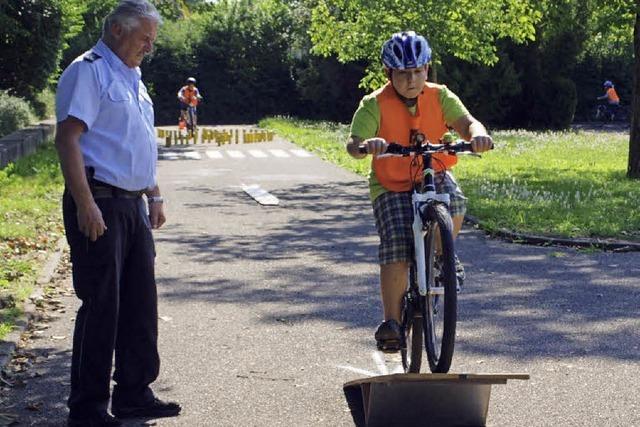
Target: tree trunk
{"points": [[633, 170]]}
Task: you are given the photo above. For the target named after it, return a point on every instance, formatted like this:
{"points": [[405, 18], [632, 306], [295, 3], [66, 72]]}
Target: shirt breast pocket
{"points": [[119, 93]]}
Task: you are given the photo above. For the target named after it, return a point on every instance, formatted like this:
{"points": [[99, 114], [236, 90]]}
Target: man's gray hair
{"points": [[128, 14]]}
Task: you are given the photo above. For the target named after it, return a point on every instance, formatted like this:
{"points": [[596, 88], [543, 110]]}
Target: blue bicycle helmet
{"points": [[405, 50], [608, 83]]}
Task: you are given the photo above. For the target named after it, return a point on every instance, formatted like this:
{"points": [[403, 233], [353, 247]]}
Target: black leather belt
{"points": [[100, 190]]}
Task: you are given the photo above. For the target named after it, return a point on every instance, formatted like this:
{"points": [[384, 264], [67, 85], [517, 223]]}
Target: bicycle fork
{"points": [[420, 202]]}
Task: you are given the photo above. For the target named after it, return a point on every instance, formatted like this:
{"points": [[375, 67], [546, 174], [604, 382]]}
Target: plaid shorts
{"points": [[394, 216]]}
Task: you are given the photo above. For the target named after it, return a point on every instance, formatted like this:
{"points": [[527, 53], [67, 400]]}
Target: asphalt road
{"points": [[265, 311]]}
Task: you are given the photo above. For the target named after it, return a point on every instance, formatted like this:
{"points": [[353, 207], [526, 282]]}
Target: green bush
{"points": [[44, 104], [14, 114]]}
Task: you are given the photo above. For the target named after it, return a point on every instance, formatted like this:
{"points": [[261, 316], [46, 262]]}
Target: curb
{"points": [[532, 239], [29, 311]]}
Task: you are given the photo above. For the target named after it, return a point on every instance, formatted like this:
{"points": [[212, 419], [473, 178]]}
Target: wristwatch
{"points": [[155, 199]]}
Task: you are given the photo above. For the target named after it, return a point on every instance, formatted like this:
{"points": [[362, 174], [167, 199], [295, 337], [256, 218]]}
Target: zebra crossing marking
{"points": [[279, 153], [301, 153], [234, 154], [259, 154]]}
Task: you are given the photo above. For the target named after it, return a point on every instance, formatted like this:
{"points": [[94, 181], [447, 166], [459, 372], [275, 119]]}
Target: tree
{"points": [[356, 29], [31, 37]]}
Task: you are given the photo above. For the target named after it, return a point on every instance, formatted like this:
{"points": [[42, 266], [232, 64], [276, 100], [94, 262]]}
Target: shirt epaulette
{"points": [[91, 56]]}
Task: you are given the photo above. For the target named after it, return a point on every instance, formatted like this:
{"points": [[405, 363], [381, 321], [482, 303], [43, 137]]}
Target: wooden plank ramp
{"points": [[423, 400]]}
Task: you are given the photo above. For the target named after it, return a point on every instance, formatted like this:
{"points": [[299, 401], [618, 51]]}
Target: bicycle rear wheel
{"points": [[411, 350], [439, 306]]}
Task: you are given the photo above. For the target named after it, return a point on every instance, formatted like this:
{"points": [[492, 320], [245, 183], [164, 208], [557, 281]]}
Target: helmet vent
{"points": [[398, 52]]}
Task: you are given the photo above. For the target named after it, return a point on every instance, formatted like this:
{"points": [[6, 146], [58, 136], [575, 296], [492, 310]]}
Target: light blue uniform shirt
{"points": [[112, 101]]}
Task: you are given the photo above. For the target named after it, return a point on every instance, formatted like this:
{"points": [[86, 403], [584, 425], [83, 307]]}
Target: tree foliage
{"points": [[466, 29], [31, 39]]}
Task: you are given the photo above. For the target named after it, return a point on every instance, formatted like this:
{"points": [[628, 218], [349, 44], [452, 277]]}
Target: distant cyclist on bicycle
{"points": [[613, 100], [407, 102], [188, 96]]}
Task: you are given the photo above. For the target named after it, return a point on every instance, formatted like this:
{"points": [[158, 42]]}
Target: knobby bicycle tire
{"points": [[412, 331], [440, 339]]}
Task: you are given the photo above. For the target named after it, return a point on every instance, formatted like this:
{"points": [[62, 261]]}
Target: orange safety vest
{"points": [[190, 95], [613, 96], [396, 122]]}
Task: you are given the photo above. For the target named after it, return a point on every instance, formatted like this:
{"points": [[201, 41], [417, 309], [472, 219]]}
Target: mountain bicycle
{"points": [[191, 120], [604, 113], [429, 310]]}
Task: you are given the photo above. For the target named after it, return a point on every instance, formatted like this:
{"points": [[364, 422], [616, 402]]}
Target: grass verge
{"points": [[30, 226], [569, 184]]}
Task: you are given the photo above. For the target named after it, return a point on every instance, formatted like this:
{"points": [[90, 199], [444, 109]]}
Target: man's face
{"points": [[132, 46], [410, 82]]}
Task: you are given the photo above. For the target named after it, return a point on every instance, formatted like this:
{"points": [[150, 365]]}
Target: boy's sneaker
{"points": [[388, 336]]}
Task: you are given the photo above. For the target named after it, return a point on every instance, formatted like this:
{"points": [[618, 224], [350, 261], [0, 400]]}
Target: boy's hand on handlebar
{"points": [[481, 143], [375, 146]]}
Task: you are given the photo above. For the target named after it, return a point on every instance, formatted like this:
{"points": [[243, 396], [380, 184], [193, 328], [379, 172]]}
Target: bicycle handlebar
{"points": [[400, 150]]}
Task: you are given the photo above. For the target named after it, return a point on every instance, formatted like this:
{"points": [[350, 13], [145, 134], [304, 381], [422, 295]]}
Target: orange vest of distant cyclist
{"points": [[612, 95], [395, 124], [190, 95]]}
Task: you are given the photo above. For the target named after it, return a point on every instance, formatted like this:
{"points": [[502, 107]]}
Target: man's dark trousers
{"points": [[114, 277]]}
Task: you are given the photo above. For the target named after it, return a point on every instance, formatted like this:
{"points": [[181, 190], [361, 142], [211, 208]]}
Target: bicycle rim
{"points": [[439, 306]]}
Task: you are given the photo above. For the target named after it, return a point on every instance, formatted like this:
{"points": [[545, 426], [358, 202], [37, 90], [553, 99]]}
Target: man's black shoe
{"points": [[154, 409], [104, 420]]}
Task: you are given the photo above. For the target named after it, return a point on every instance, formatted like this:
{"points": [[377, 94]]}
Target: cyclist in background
{"points": [[188, 95], [613, 100], [407, 103]]}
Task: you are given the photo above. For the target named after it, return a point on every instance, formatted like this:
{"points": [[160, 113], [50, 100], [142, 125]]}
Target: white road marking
{"points": [[380, 362], [259, 154], [260, 195], [235, 154], [358, 370], [214, 154], [192, 155], [301, 153], [279, 153]]}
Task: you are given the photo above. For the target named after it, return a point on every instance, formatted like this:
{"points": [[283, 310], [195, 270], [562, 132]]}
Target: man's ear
{"points": [[117, 31]]}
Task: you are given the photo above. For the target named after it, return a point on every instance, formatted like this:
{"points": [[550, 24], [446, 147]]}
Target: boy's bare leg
{"points": [[393, 284], [393, 280], [457, 224]]}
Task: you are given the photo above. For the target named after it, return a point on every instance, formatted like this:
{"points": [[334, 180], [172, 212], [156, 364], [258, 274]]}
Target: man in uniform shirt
{"points": [[106, 143]]}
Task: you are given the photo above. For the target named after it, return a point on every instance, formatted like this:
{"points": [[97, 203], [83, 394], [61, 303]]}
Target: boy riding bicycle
{"points": [[405, 105], [188, 96], [612, 98]]}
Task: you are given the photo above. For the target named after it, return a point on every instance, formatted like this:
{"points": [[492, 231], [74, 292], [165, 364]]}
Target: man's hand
{"points": [[156, 215], [90, 221], [481, 143]]}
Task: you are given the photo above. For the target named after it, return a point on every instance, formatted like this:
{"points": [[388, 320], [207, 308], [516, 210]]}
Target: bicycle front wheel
{"points": [[439, 306], [412, 330]]}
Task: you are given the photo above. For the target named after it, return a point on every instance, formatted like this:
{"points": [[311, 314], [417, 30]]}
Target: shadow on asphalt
{"points": [[520, 302], [301, 254]]}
